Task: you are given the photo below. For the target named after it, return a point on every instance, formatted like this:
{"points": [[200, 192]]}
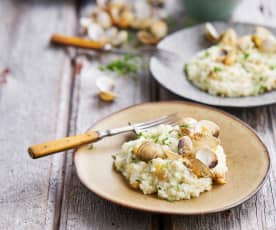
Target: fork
{"points": [[66, 143], [78, 42]]}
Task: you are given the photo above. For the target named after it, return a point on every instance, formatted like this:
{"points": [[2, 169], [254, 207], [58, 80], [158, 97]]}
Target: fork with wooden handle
{"points": [[78, 42], [66, 143]]}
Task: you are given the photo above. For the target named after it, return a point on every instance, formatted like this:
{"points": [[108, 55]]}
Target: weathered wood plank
{"points": [[31, 107], [81, 209], [260, 211]]}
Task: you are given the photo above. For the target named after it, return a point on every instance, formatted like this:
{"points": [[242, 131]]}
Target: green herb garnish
{"points": [[90, 147], [206, 54], [246, 56], [272, 67], [262, 89], [126, 65], [184, 126], [217, 69], [186, 68]]}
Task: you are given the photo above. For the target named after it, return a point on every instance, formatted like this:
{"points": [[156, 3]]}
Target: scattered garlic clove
{"points": [[159, 29], [106, 86], [95, 32], [207, 156], [148, 151], [211, 33], [206, 126], [229, 37], [147, 38], [185, 145]]}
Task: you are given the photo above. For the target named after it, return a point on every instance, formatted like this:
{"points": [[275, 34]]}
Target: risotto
{"points": [[235, 66], [174, 162]]}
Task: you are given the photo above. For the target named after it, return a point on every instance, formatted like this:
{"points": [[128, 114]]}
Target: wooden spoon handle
{"points": [[66, 143], [76, 42]]}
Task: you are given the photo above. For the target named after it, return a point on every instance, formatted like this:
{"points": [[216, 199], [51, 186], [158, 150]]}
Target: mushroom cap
{"points": [[207, 156], [185, 145]]}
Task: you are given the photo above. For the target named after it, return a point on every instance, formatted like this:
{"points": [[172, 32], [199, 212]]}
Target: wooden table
{"points": [[44, 97]]}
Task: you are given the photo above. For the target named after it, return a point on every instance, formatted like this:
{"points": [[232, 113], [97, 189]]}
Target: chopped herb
{"points": [[262, 89], [272, 67], [184, 126], [164, 141], [246, 55], [139, 135], [90, 147], [130, 36], [126, 65], [207, 54], [186, 68], [217, 69], [170, 200], [137, 180]]}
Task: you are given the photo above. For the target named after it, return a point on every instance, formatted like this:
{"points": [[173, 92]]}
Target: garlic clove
{"points": [[207, 156]]}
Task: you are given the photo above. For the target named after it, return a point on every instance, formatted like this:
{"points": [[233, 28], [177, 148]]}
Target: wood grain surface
{"points": [[44, 97]]}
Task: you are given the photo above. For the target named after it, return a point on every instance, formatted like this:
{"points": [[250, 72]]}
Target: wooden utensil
{"points": [[66, 143]]}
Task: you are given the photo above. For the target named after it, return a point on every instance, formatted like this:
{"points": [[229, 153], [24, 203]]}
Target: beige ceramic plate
{"points": [[248, 162]]}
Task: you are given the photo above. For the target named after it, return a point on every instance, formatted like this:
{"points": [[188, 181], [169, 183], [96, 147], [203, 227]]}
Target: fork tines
{"points": [[170, 119]]}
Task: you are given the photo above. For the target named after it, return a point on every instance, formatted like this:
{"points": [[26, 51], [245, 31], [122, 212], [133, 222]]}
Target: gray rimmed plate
{"points": [[187, 42]]}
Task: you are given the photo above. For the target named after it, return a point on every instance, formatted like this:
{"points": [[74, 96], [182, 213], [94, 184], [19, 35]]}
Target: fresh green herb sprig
{"points": [[129, 64], [246, 55], [217, 69]]}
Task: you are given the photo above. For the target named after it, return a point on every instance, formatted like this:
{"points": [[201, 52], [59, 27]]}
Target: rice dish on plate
{"points": [[175, 162], [236, 66]]}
